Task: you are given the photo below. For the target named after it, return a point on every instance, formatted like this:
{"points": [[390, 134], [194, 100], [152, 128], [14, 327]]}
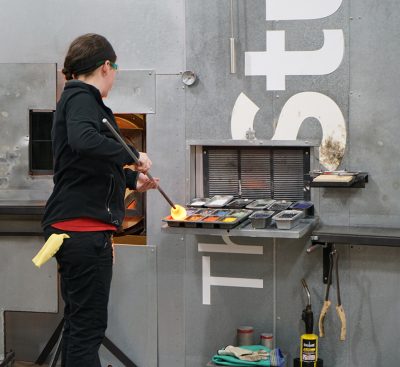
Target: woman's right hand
{"points": [[144, 183]]}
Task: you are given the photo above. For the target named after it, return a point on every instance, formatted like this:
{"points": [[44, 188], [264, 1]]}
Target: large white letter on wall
{"points": [[297, 9], [209, 281], [276, 63], [317, 105], [242, 118]]}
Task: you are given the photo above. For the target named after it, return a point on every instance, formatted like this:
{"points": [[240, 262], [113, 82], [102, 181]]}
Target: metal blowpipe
{"points": [[119, 138]]}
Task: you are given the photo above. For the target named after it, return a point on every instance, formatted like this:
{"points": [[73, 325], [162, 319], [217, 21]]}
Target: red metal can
{"points": [[245, 335]]}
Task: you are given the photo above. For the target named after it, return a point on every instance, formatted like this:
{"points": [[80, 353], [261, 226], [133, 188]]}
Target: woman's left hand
{"points": [[144, 183]]}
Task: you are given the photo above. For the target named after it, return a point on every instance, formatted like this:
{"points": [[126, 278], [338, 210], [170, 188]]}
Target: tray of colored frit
{"points": [[307, 207], [210, 218], [278, 205], [261, 218], [287, 219]]}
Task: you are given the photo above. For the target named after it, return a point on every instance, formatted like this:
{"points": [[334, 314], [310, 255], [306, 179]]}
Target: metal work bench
{"points": [[328, 236], [356, 235]]}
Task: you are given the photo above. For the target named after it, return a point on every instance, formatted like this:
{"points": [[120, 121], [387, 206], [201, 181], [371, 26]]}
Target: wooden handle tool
{"points": [[339, 307]]}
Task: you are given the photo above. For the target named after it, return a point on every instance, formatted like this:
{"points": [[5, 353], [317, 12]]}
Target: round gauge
{"points": [[188, 77]]}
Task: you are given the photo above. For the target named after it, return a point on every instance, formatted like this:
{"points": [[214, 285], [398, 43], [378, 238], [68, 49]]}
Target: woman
{"points": [[87, 202]]}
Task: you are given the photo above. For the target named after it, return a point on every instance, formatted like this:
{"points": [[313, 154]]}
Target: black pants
{"points": [[85, 267]]}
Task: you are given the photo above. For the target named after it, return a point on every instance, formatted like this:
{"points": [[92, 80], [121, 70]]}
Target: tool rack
{"points": [[327, 236]]}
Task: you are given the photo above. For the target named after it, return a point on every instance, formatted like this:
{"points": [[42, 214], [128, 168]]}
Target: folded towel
{"points": [[49, 249], [229, 360]]}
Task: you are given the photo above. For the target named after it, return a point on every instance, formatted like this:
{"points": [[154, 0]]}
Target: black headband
{"points": [[93, 62]]}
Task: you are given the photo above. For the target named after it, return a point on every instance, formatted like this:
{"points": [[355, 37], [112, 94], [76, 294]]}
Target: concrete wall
{"points": [[171, 36]]}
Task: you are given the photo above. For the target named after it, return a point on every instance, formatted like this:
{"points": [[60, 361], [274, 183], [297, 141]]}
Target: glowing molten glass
{"points": [[179, 213]]}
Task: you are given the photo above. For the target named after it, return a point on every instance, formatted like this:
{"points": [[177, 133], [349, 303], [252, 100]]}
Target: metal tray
{"points": [[218, 201], [197, 202], [280, 205], [206, 211], [241, 213], [228, 222], [261, 219], [239, 203], [210, 222], [287, 219], [172, 222], [230, 219], [260, 204], [193, 220], [307, 207], [302, 205]]}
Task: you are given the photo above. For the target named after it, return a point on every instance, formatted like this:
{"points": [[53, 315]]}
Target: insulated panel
{"points": [[24, 287], [145, 34], [132, 322], [133, 91], [166, 148], [23, 87]]}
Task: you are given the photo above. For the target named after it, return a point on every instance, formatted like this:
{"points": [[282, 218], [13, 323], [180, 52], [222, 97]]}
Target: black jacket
{"points": [[89, 179]]}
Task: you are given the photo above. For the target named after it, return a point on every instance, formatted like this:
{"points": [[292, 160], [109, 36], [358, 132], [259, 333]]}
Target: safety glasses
{"points": [[112, 64]]}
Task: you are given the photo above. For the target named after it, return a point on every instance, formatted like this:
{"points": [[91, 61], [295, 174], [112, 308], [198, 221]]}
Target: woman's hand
{"points": [[144, 183], [145, 163]]}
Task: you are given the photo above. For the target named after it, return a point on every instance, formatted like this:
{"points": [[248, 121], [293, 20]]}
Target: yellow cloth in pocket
{"points": [[49, 249]]}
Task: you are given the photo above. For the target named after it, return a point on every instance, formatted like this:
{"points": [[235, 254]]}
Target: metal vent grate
{"points": [[223, 173], [288, 167], [255, 173]]}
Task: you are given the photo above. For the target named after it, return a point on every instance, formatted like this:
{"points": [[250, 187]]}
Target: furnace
{"points": [[133, 129]]}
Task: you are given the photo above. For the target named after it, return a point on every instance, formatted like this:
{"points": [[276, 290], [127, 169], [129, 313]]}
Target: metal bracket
{"points": [[326, 261], [326, 250]]}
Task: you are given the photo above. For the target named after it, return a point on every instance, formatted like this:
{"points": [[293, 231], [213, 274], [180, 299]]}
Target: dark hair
{"points": [[85, 54]]}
